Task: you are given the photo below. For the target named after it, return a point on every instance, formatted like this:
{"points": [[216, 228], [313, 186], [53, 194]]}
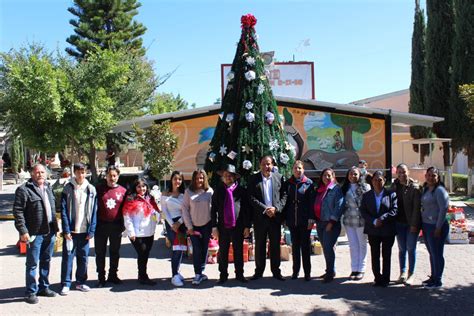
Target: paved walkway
{"points": [[267, 295]]}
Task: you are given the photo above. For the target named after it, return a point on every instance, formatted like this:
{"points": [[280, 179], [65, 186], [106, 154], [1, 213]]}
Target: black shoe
{"points": [[380, 284], [101, 283], [328, 278], [31, 299], [256, 277], [146, 281], [47, 292], [279, 277], [222, 280], [324, 276], [114, 279], [359, 276], [352, 276], [241, 279], [294, 276], [427, 281], [307, 277]]}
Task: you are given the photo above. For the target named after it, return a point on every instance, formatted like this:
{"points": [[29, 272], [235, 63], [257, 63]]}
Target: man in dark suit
{"points": [[230, 217], [379, 209], [267, 200]]}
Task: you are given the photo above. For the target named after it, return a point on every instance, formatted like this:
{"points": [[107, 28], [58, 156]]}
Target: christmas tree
{"points": [[249, 126]]}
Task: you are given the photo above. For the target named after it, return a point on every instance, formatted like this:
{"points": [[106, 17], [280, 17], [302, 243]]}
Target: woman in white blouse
{"points": [[197, 217], [171, 206]]}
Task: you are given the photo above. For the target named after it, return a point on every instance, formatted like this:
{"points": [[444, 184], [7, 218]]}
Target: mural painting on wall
{"points": [[321, 140], [333, 140], [330, 140]]}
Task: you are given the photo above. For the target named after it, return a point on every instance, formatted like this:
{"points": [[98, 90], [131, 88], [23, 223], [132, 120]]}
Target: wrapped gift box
{"points": [[251, 255]]}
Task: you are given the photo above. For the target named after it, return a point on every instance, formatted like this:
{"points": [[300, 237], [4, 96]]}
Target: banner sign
{"points": [[289, 79]]}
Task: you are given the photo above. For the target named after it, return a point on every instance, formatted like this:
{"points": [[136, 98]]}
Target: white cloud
{"points": [[314, 119]]}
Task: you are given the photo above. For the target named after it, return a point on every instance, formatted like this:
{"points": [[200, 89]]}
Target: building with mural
{"points": [[324, 134]]}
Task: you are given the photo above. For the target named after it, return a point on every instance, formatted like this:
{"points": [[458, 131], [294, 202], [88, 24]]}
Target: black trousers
{"points": [[107, 232], [301, 247], [272, 229], [143, 246], [386, 242], [236, 236]]}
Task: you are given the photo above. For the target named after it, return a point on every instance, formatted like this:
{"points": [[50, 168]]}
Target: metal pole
{"points": [[419, 155], [403, 152], [450, 168], [388, 145], [431, 156]]}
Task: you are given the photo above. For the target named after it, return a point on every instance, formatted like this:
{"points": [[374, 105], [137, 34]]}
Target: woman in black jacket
{"points": [[379, 208], [299, 218]]}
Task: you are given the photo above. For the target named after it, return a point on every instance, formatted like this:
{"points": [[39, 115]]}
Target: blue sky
{"points": [[361, 48]]}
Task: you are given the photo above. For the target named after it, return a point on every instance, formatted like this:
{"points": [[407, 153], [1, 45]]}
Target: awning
{"points": [[402, 119]]}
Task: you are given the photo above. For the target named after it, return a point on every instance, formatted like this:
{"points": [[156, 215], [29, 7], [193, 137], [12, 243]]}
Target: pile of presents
{"points": [[249, 250], [458, 226]]}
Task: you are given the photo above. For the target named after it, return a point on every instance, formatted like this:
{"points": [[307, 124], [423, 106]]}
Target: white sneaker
{"points": [[410, 279], [197, 279], [204, 277], [82, 288], [181, 277], [64, 291], [176, 280], [402, 278]]}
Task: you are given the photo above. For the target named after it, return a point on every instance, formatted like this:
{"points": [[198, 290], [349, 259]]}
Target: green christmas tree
{"points": [[249, 126]]}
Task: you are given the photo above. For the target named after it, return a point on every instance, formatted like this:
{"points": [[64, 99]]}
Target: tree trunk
{"points": [[446, 156], [93, 161], [347, 130], [470, 166]]}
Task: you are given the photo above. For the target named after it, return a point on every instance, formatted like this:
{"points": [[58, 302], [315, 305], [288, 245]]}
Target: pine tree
{"points": [[249, 126], [462, 73], [107, 24], [16, 154], [439, 38], [417, 102]]}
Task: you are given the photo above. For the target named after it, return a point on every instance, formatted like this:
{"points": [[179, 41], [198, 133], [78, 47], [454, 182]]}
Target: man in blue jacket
{"points": [[35, 220], [78, 215]]}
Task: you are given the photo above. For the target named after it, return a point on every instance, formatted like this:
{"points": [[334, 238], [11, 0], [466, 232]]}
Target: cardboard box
{"points": [[58, 245], [317, 248], [285, 252]]}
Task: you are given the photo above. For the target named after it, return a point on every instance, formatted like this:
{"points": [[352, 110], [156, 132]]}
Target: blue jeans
{"points": [[177, 255], [406, 243], [328, 242], [80, 250], [435, 246], [40, 250], [200, 247]]}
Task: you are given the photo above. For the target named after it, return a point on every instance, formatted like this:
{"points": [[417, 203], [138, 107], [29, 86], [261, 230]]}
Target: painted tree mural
{"points": [[350, 124]]}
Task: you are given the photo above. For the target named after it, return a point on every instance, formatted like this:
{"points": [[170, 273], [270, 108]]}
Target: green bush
{"points": [[459, 182]]}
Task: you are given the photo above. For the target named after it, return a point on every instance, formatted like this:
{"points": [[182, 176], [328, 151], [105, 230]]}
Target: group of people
{"points": [[367, 211]]}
